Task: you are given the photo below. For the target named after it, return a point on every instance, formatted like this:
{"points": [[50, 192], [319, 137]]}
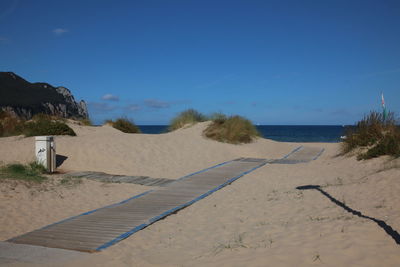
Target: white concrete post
{"points": [[45, 151]]}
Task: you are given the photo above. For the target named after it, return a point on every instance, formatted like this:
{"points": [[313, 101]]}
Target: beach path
{"points": [[98, 229], [301, 154], [101, 228], [113, 178]]}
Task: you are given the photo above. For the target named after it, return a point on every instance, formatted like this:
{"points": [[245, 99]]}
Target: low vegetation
{"points": [[70, 181], [85, 122], [124, 125], [41, 124], [31, 172], [233, 129], [217, 116], [187, 117], [374, 136], [44, 126], [10, 125]]}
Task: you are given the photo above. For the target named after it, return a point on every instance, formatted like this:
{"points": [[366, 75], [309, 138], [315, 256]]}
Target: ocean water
{"points": [[283, 133], [302, 133], [153, 129]]}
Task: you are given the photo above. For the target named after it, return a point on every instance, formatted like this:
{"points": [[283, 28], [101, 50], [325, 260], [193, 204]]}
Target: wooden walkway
{"points": [[113, 178], [98, 229], [300, 155]]}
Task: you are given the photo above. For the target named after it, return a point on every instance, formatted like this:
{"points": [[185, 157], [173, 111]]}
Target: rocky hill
{"points": [[25, 99]]}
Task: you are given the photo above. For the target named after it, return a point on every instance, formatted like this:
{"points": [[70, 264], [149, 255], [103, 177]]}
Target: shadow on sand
{"points": [[60, 160], [387, 228]]}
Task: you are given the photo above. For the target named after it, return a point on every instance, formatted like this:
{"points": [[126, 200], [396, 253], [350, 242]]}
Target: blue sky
{"points": [[274, 62]]}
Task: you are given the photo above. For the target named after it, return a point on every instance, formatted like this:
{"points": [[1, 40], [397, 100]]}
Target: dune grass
{"points": [[125, 125], [47, 117], [375, 135], [47, 127], [217, 116], [30, 172], [187, 117], [233, 129], [41, 124], [85, 122], [10, 125]]}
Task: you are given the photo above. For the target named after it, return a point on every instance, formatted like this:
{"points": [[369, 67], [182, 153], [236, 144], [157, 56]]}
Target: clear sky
{"points": [[274, 62]]}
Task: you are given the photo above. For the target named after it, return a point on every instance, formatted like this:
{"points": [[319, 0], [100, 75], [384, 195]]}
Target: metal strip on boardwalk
{"points": [[101, 228]]}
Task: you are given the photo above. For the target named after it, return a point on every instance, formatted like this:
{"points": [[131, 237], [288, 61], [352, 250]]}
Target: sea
{"points": [[283, 133]]}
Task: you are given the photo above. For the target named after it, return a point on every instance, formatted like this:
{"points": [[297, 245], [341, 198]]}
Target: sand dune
{"points": [[259, 220]]}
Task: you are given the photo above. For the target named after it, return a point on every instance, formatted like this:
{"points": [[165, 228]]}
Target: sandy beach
{"points": [[259, 220]]}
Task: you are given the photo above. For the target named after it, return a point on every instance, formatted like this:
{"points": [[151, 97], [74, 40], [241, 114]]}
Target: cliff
{"points": [[25, 99]]}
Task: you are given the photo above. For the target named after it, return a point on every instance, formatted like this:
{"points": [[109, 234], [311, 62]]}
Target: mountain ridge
{"points": [[25, 99]]}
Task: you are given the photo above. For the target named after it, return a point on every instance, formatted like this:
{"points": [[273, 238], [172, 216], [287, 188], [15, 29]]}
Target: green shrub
{"points": [[186, 117], [42, 116], [31, 172], [47, 127], [10, 125], [234, 130], [41, 124], [388, 145], [124, 125], [376, 134], [3, 114], [37, 167]]}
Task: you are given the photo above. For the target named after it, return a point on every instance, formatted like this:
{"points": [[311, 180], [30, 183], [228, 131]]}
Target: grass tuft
{"points": [[37, 167], [10, 125], [31, 172], [218, 116], [187, 117], [375, 134], [47, 127], [70, 181], [47, 117], [124, 125], [85, 122], [233, 130], [41, 124]]}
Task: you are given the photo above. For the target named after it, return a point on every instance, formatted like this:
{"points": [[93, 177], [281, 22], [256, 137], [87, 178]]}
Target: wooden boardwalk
{"points": [[113, 178], [98, 229], [300, 155]]}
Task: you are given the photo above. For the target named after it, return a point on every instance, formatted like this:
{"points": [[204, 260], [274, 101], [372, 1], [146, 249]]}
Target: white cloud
{"points": [[60, 31], [110, 97], [133, 107], [154, 103]]}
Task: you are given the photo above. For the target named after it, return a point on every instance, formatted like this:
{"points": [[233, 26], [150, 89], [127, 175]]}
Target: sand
{"points": [[259, 220]]}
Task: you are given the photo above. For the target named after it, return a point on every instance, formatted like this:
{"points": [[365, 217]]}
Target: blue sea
{"points": [[283, 133]]}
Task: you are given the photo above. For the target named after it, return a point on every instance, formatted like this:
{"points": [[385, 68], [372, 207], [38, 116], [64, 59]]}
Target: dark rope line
{"points": [[387, 228]]}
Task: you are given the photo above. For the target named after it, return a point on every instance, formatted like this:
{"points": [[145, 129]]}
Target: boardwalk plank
{"points": [[86, 231]]}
